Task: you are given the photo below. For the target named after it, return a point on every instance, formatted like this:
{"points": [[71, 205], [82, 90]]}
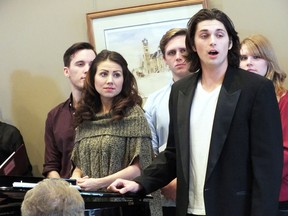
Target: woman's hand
{"points": [[90, 184]]}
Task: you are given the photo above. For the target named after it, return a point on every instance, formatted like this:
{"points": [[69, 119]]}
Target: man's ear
{"points": [[66, 72], [230, 44]]}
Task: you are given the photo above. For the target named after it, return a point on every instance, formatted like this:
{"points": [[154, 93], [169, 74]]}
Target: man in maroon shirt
{"points": [[59, 131]]}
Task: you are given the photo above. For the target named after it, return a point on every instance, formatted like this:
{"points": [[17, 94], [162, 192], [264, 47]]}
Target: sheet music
{"points": [[32, 185], [23, 185]]}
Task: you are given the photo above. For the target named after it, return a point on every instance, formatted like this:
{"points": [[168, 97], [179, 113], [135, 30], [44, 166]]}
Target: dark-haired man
{"points": [[225, 139], [59, 130]]}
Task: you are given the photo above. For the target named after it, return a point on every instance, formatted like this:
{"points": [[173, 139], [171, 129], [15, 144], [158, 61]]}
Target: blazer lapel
{"points": [[185, 96], [225, 109]]}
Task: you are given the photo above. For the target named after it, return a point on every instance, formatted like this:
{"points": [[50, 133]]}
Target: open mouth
{"points": [[213, 52]]}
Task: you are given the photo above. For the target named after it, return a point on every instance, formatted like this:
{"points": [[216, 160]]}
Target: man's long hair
{"points": [[211, 14]]}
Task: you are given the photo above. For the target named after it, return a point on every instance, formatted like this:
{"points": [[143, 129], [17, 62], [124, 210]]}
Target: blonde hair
{"points": [[53, 197], [169, 35], [258, 45]]}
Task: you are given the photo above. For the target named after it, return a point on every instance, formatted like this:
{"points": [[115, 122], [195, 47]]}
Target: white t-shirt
{"points": [[201, 122]]}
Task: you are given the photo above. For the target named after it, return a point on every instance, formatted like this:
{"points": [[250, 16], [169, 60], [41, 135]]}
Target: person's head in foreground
{"points": [[53, 197]]}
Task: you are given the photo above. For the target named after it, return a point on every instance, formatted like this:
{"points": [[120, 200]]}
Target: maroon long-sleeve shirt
{"points": [[59, 139]]}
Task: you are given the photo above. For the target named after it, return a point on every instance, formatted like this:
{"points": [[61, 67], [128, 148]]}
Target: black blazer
{"points": [[246, 152]]}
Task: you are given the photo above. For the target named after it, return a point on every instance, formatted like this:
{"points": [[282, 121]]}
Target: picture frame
{"points": [[135, 32]]}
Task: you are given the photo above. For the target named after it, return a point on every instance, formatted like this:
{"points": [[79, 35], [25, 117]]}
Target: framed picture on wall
{"points": [[135, 33]]}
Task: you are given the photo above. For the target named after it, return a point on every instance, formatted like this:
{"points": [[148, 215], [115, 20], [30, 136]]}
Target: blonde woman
{"points": [[258, 56]]}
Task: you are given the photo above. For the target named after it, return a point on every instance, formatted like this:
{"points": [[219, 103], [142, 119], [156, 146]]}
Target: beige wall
{"points": [[34, 34]]}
